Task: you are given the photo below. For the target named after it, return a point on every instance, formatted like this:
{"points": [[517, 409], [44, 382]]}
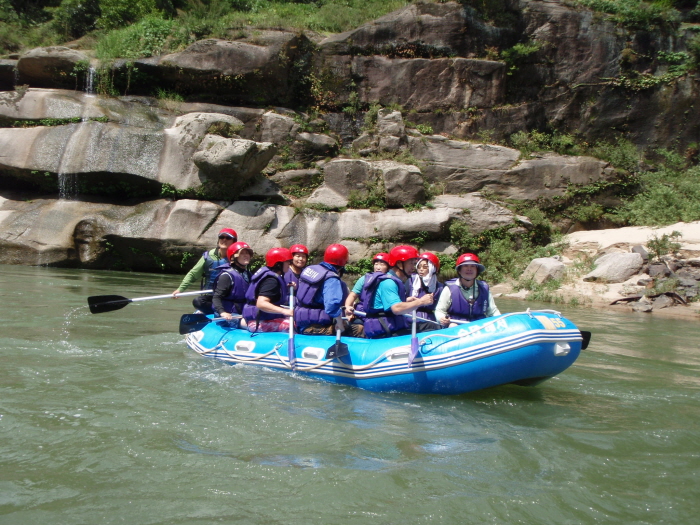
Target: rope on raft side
{"points": [[474, 330], [449, 338]]}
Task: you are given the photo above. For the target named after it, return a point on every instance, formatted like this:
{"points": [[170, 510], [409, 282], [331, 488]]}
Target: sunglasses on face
{"points": [[226, 238]]}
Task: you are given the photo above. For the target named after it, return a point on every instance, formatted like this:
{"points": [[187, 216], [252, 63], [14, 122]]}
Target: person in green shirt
{"points": [[205, 271]]}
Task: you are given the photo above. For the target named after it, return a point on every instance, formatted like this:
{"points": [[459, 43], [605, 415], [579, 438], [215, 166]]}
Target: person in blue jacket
{"points": [[383, 296], [321, 295]]}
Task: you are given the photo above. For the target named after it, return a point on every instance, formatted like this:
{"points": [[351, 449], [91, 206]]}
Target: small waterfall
{"points": [[16, 78], [72, 153], [67, 186], [90, 81]]}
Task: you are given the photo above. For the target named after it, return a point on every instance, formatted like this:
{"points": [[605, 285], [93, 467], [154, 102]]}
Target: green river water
{"points": [[110, 418]]}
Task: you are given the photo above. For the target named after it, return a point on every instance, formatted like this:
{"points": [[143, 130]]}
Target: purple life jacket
{"points": [[380, 322], [309, 309], [250, 311], [235, 300], [291, 277], [425, 312], [464, 310]]}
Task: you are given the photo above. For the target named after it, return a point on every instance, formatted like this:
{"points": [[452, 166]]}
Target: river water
{"points": [[109, 418]]}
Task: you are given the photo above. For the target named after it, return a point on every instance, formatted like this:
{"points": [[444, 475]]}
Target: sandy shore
{"points": [[596, 243]]}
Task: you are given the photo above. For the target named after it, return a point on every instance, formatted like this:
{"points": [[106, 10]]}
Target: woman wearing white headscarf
{"points": [[424, 282]]}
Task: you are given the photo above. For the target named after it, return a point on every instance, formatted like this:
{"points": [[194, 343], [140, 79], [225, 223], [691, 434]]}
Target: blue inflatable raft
{"points": [[523, 348]]}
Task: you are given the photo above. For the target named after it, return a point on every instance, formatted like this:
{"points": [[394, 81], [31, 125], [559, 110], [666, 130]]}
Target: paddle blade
{"points": [[586, 339], [106, 303], [193, 323], [338, 349], [415, 347]]}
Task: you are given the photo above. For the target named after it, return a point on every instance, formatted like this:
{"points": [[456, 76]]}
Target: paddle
{"points": [[108, 303], [338, 349], [586, 339], [415, 347], [291, 353], [195, 322]]}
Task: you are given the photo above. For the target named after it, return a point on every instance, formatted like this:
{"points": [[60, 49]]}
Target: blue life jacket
{"points": [[380, 322], [212, 269], [234, 301], [310, 308], [464, 310], [426, 312], [291, 277], [250, 311]]}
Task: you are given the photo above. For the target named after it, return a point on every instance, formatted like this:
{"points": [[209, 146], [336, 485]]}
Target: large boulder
{"points": [[262, 68], [478, 213], [421, 29], [550, 175], [393, 183], [423, 84], [462, 167], [237, 160], [544, 269], [615, 268], [54, 66], [103, 154]]}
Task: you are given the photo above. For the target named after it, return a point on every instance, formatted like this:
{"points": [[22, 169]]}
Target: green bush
{"points": [[148, 37], [637, 14], [668, 196]]}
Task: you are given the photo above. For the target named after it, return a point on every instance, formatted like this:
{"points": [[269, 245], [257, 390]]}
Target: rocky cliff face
{"points": [[133, 182]]}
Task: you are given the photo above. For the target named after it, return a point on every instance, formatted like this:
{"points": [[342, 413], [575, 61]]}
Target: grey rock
{"points": [[390, 123], [615, 268], [278, 129], [478, 213], [50, 66], [403, 183], [641, 251], [236, 160], [544, 269], [642, 307], [317, 144], [389, 144], [658, 270], [663, 301]]}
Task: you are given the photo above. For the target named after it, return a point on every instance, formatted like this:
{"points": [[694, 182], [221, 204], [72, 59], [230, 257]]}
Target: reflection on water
{"points": [[110, 418]]}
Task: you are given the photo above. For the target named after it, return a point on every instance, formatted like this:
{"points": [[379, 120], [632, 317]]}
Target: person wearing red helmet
{"points": [[425, 281], [466, 298], [232, 284], [263, 311], [300, 256], [383, 297], [380, 262], [321, 295], [207, 270]]}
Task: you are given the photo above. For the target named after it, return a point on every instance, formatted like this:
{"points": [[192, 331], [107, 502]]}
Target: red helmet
{"points": [[384, 257], [229, 232], [402, 253], [336, 254], [432, 258], [299, 248], [237, 247], [276, 255], [471, 259]]}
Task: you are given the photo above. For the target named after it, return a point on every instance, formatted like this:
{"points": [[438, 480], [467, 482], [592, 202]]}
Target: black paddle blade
{"points": [[106, 303], [586, 339], [337, 350], [193, 323]]}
